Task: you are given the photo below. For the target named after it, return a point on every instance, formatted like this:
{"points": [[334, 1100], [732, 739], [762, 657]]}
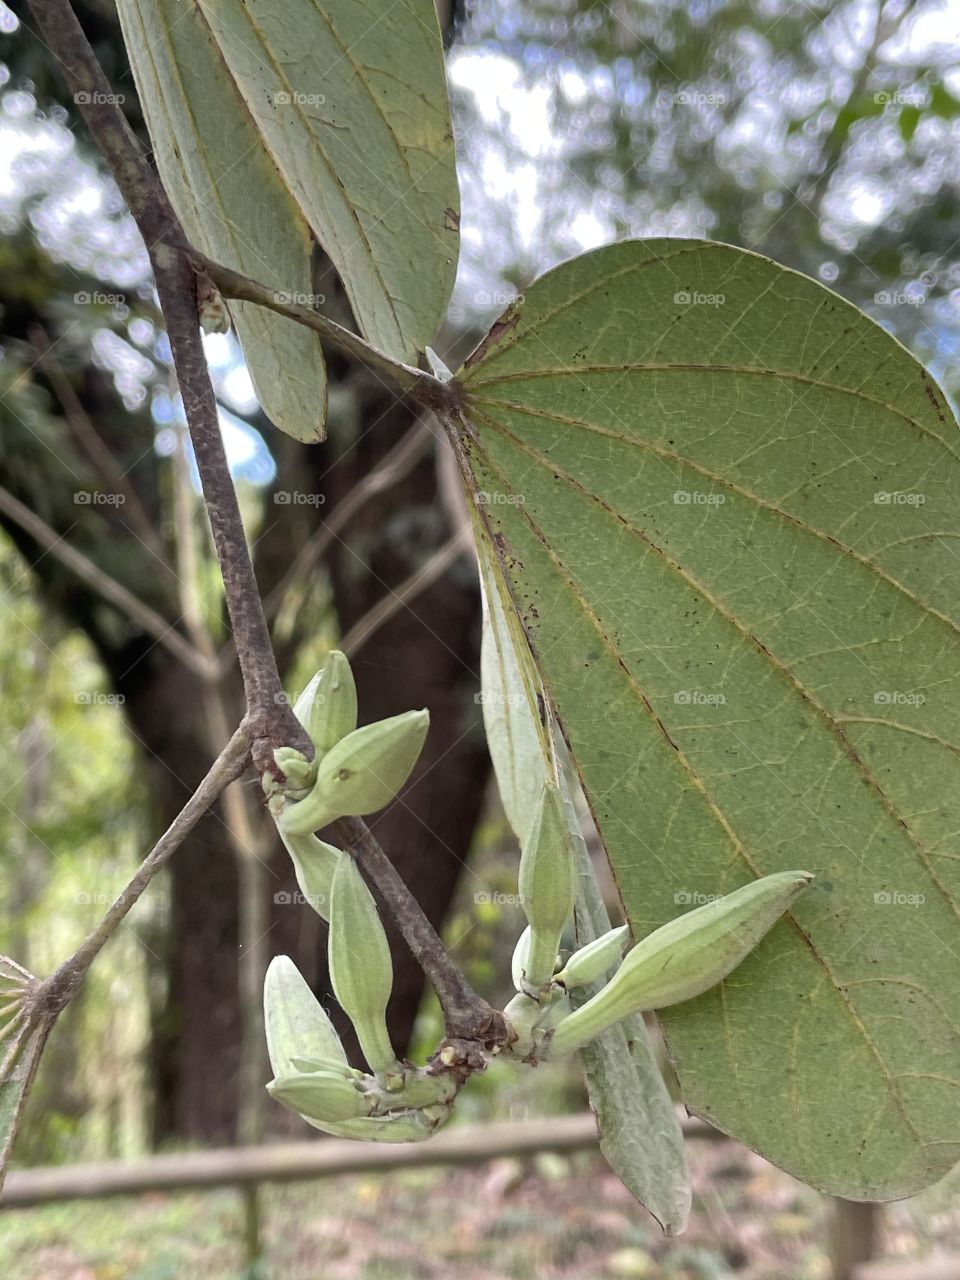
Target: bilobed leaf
{"points": [[513, 707], [350, 100], [229, 197], [729, 517]]}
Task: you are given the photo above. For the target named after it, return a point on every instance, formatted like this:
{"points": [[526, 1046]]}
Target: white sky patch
{"points": [[867, 205], [238, 389]]}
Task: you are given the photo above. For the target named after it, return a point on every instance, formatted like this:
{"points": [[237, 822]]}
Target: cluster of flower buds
{"points": [[677, 962], [355, 771]]}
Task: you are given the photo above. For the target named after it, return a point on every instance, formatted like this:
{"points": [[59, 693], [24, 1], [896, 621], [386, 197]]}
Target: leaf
{"points": [[22, 1038], [510, 688], [640, 1135], [229, 197], [350, 101], [727, 510]]}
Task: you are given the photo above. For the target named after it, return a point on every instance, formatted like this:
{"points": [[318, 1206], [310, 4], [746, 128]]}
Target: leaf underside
{"points": [[350, 100], [725, 502], [229, 197]]}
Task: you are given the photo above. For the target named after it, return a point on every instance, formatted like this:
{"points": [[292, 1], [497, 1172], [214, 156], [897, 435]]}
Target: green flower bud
{"points": [[296, 1025], [322, 1095], [595, 959], [683, 958], [521, 954], [361, 970], [314, 862], [398, 1126], [306, 1065], [327, 708], [300, 772], [548, 884], [361, 774]]}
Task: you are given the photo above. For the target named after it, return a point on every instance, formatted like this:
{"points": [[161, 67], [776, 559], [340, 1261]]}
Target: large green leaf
{"points": [[226, 191], [726, 502], [351, 103]]}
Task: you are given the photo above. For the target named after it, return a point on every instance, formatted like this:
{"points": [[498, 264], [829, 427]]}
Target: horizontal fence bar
{"points": [[291, 1161]]}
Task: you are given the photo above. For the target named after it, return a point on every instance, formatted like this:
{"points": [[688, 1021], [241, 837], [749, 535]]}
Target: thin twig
{"points": [[78, 420], [424, 387], [401, 596], [56, 990], [155, 625], [395, 465]]}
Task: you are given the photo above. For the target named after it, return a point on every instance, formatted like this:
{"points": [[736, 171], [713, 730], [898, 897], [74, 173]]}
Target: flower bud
{"points": [[300, 772], [361, 773], [322, 1095], [314, 862], [361, 970], [518, 966], [595, 959], [683, 958], [304, 1066], [548, 884], [296, 1025], [398, 1126], [327, 708]]}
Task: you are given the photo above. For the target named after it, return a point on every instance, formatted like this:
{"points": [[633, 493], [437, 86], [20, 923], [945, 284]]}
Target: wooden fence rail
{"points": [[855, 1232]]}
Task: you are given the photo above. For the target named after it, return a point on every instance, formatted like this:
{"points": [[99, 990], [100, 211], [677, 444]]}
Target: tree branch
{"points": [[408, 590], [56, 991], [470, 1022]]}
